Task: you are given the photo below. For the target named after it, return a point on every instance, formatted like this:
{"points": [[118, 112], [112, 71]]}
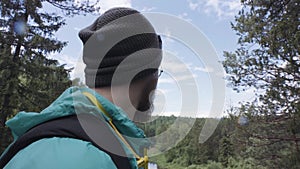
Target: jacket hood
{"points": [[72, 101]]}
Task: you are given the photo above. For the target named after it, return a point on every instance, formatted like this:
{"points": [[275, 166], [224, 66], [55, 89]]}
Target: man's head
{"points": [[121, 48]]}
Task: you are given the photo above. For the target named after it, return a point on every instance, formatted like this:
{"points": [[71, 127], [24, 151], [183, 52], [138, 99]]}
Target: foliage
{"points": [[261, 134], [29, 80], [226, 150], [229, 147], [189, 152], [268, 60]]}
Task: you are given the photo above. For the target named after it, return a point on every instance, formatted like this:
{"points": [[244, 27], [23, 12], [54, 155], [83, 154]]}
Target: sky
{"points": [[177, 93]]}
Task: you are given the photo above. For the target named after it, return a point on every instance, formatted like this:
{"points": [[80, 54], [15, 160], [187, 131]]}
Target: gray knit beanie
{"points": [[120, 46]]}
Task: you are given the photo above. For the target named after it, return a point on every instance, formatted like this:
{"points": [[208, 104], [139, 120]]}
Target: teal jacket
{"points": [[70, 153]]}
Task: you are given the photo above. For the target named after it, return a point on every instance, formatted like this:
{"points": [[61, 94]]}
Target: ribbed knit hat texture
{"points": [[119, 45]]}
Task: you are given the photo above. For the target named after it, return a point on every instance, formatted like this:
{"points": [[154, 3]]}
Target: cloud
{"points": [[193, 6], [176, 71], [167, 37], [204, 69], [165, 80], [172, 66], [178, 78], [184, 16], [221, 8], [70, 62], [107, 4], [147, 9], [64, 59], [77, 29]]}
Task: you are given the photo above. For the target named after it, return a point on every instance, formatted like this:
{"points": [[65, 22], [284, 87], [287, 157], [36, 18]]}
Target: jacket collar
{"points": [[133, 134], [72, 101]]}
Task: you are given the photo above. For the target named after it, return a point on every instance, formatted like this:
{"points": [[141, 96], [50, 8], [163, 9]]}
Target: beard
{"points": [[145, 107], [143, 113]]}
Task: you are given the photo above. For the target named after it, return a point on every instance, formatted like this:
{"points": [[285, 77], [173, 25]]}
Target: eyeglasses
{"points": [[160, 71]]}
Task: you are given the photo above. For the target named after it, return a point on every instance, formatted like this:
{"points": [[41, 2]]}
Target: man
{"points": [[89, 128]]}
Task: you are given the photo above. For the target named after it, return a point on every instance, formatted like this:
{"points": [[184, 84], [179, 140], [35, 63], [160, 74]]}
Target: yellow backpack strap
{"points": [[141, 161], [93, 99]]}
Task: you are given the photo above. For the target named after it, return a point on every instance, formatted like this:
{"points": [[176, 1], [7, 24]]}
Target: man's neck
{"points": [[119, 97], [105, 92]]}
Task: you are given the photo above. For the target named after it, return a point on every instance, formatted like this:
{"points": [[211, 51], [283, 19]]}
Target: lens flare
{"points": [[243, 120], [20, 27]]}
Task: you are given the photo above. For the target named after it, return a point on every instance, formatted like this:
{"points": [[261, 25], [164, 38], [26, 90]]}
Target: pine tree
{"points": [[226, 150], [29, 81], [268, 60]]}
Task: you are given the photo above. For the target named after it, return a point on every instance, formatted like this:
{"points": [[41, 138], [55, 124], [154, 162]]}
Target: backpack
{"points": [[70, 127]]}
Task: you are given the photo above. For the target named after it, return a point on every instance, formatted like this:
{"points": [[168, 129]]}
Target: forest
{"points": [[232, 146], [263, 133]]}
